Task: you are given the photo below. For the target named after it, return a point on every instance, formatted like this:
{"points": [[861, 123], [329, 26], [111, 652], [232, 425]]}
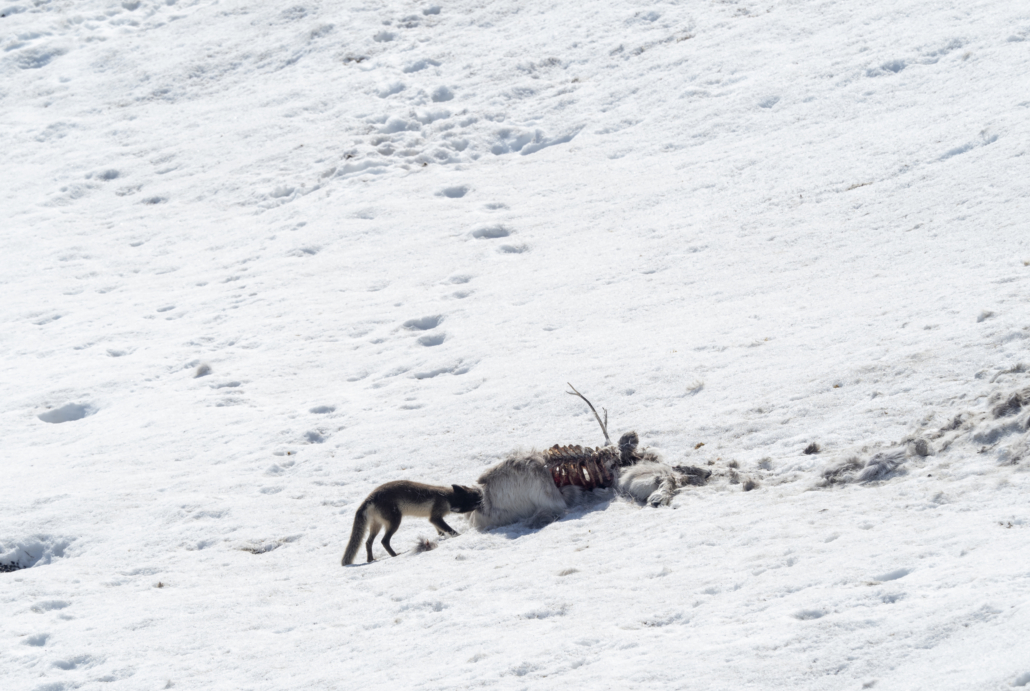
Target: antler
{"points": [[604, 425]]}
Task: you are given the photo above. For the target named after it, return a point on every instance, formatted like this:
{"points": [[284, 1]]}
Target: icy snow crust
{"points": [[259, 258]]}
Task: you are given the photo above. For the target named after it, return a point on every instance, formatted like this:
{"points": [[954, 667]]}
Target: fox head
{"points": [[466, 499]]}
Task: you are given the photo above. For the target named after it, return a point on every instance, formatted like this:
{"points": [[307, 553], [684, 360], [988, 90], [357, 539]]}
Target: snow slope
{"points": [[388, 233]]}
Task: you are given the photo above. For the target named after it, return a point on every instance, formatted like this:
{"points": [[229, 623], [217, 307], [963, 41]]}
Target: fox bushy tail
{"points": [[357, 533]]}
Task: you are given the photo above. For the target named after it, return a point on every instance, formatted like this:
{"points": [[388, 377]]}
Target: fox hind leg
{"points": [[373, 530], [393, 522]]}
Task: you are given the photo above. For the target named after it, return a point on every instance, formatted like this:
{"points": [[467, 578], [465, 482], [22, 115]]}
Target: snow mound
{"points": [[25, 553]]}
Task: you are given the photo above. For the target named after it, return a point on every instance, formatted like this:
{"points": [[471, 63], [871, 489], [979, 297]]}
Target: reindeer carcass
{"points": [[540, 485]]}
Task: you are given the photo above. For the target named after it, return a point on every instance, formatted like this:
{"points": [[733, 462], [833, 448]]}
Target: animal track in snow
{"points": [[323, 409], [76, 662], [659, 621], [892, 575], [985, 139], [456, 369], [432, 340], [926, 57], [67, 413], [456, 192], [292, 14], [415, 131], [420, 65], [490, 233], [266, 546], [316, 33], [1019, 37], [539, 141], [424, 323], [889, 67], [36, 58], [48, 605], [806, 614]]}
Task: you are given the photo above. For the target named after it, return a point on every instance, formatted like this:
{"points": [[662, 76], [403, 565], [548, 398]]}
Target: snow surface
{"points": [[387, 233]]}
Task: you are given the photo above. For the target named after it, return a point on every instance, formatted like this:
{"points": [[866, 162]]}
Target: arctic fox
{"points": [[388, 503]]}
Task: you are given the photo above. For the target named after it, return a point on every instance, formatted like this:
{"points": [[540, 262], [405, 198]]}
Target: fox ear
{"points": [[458, 489]]}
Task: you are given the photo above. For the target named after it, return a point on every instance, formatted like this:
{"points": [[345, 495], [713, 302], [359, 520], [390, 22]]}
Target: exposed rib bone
{"points": [[587, 468]]}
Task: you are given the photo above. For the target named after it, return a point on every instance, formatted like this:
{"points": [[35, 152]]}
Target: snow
{"points": [[261, 258]]}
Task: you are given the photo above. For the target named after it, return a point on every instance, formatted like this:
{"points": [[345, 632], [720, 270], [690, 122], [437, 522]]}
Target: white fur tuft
{"points": [[654, 483], [518, 488]]}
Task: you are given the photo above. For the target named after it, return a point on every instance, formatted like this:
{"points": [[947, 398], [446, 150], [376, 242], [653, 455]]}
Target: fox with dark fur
{"points": [[388, 503]]}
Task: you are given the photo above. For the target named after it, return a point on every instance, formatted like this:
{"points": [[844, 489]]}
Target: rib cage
{"points": [[582, 466]]}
